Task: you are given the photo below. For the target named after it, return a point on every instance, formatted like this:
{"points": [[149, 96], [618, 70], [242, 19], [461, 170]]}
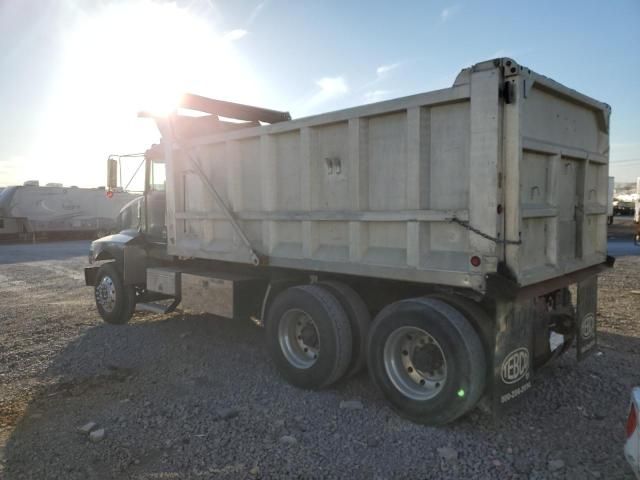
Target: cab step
{"points": [[157, 307]]}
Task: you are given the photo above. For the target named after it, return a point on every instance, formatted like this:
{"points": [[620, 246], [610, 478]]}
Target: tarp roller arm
{"points": [[232, 110]]}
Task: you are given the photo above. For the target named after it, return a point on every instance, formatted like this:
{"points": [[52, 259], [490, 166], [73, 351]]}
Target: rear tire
{"points": [[115, 301], [359, 319], [427, 360], [309, 336]]}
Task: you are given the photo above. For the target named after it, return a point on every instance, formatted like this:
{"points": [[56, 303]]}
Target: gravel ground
{"points": [[185, 396]]}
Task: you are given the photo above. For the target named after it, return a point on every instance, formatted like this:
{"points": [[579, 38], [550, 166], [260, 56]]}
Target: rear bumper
{"points": [[503, 288]]}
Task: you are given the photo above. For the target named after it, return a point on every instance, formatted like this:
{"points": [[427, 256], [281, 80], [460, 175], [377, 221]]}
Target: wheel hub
{"points": [[106, 294], [427, 358], [298, 338], [415, 363], [308, 335]]}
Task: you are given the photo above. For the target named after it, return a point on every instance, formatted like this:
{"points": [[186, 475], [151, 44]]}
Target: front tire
{"points": [[115, 301], [309, 336], [427, 360]]}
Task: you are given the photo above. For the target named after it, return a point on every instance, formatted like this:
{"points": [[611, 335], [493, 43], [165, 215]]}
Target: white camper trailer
{"points": [[31, 211]]}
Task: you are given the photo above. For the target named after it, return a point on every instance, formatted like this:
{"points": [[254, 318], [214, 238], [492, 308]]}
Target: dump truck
{"points": [[431, 239]]}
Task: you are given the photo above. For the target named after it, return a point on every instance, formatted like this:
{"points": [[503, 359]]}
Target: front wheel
{"points": [[427, 360], [115, 301]]}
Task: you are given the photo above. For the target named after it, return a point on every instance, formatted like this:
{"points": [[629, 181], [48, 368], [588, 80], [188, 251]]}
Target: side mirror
{"points": [[112, 173]]}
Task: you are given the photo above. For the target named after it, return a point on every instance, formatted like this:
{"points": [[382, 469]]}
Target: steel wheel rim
{"points": [[106, 294], [415, 363], [299, 338]]}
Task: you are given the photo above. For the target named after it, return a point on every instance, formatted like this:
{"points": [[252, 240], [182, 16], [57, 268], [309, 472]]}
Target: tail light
{"points": [[632, 421]]}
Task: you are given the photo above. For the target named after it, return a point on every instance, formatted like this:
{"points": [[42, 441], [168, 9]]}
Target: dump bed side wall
{"points": [[373, 190], [368, 191], [558, 205]]}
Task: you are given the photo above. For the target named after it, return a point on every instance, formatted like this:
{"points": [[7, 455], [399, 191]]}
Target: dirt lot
{"points": [[197, 397]]}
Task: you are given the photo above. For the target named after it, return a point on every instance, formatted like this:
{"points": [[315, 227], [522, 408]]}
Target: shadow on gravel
{"points": [[197, 397], [157, 386]]}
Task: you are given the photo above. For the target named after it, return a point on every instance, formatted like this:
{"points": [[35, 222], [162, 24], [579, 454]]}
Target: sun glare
{"points": [[128, 57]]}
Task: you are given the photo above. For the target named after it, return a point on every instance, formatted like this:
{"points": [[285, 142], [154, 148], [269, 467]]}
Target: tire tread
{"points": [[342, 330], [359, 319]]}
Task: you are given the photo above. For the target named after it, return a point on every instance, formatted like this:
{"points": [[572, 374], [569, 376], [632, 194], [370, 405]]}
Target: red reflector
{"points": [[475, 261], [109, 194], [632, 421]]}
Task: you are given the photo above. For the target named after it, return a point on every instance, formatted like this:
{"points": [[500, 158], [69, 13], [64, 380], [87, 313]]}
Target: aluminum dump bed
{"points": [[506, 168]]}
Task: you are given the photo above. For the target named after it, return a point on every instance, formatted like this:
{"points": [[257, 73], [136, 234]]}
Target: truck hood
{"points": [[112, 246]]}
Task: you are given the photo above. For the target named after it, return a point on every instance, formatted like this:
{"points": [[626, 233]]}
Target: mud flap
{"points": [[90, 274], [513, 353], [586, 331], [135, 261]]}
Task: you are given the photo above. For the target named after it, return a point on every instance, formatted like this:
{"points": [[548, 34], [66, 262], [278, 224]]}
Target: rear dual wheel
{"points": [[427, 360], [359, 321], [317, 334], [423, 354], [309, 336]]}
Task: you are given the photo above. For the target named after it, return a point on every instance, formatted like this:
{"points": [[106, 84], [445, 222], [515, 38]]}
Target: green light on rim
{"points": [[461, 393]]}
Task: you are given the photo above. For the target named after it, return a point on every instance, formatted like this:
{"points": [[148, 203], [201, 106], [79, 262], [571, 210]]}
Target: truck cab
{"points": [[146, 214], [143, 218], [141, 234]]}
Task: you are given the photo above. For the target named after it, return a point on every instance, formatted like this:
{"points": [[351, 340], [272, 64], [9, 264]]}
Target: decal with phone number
{"points": [[515, 392]]}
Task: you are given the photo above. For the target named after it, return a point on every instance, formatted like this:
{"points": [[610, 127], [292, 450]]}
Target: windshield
{"points": [[158, 180], [130, 172], [129, 216]]}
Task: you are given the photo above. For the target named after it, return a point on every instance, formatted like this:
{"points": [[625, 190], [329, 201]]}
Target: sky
{"points": [[74, 73]]}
